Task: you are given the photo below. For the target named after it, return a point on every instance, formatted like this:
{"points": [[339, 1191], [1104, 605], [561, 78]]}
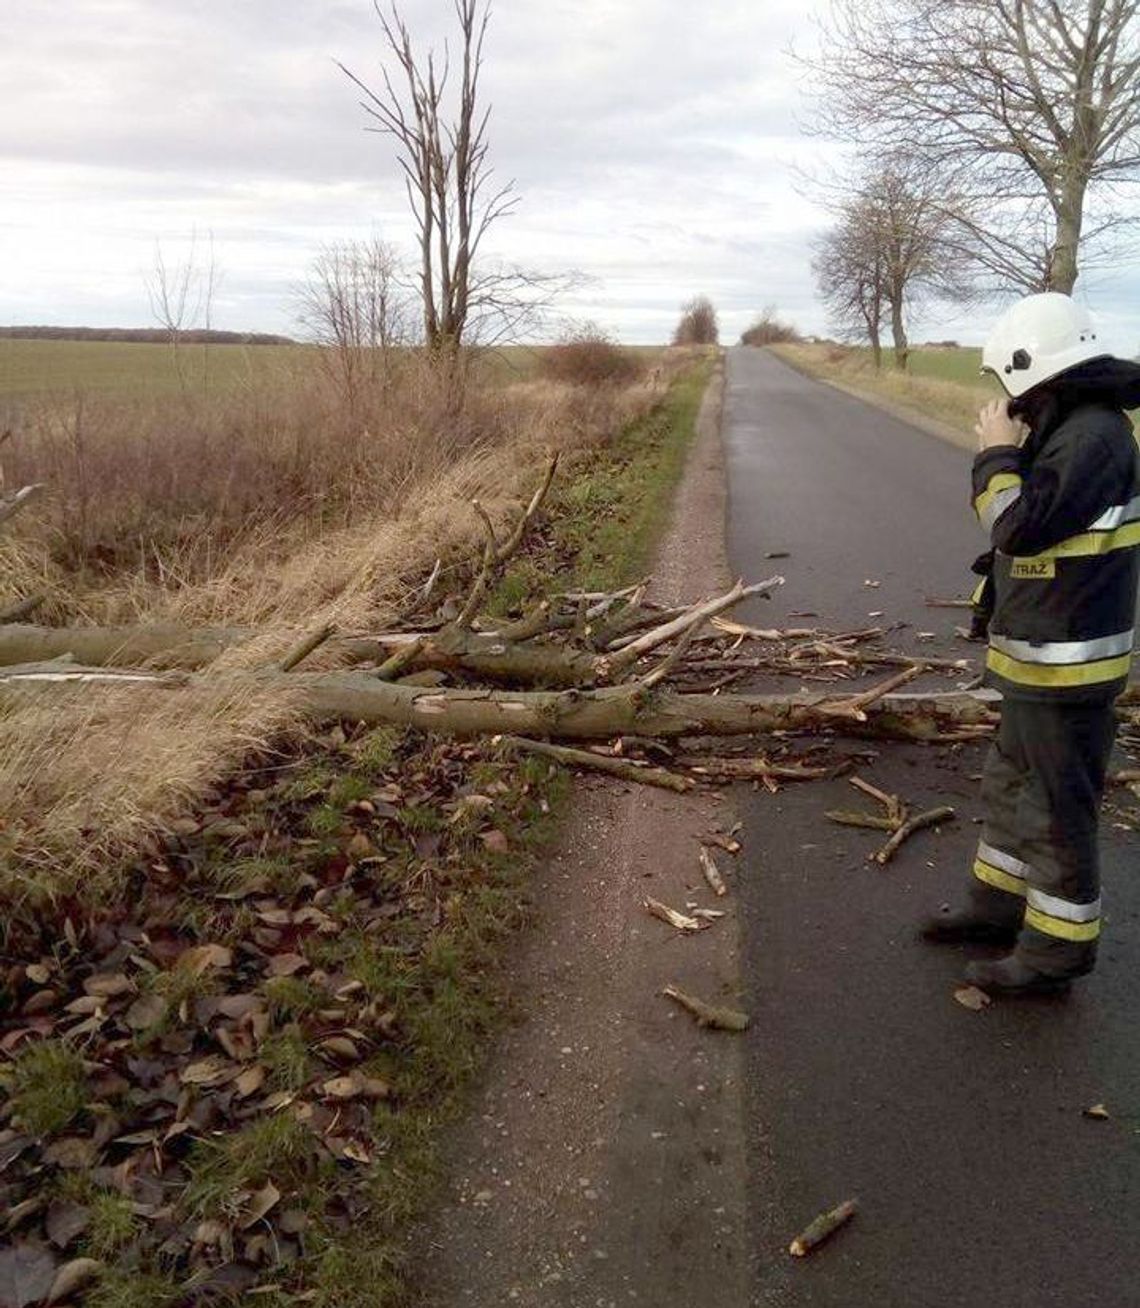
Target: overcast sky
{"points": [[654, 144]]}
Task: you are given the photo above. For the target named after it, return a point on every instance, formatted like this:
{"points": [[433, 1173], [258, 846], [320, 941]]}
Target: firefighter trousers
{"points": [[1037, 865]]}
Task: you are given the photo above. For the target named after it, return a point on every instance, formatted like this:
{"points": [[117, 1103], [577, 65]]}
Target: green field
{"points": [[956, 365], [129, 368], [126, 367]]}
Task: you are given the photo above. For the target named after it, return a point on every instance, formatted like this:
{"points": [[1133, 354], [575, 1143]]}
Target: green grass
{"points": [[29, 368], [610, 515], [133, 368], [958, 365], [48, 1087]]}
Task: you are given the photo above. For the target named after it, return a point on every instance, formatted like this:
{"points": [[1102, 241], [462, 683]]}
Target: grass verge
{"points": [[939, 388], [295, 992]]}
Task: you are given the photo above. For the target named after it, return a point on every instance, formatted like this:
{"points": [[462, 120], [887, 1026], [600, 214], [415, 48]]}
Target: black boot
{"points": [[1013, 976], [956, 925]]}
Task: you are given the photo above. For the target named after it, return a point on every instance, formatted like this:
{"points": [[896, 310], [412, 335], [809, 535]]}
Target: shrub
{"points": [[698, 325], [589, 356], [768, 329]]}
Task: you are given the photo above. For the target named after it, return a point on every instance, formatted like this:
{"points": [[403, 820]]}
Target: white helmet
{"points": [[1038, 338]]}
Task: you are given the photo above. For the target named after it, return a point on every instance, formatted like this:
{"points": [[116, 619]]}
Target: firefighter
{"points": [[1056, 486]]}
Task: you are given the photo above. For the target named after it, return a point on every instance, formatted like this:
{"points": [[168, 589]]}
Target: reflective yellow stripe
{"points": [[1044, 674], [997, 483], [979, 589], [1055, 926], [1089, 543], [994, 876]]}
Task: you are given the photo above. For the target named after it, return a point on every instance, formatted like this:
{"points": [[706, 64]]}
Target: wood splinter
{"points": [[712, 873], [824, 1226], [720, 1019]]}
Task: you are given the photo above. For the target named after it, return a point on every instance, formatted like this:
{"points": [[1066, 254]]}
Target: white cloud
{"points": [[653, 143]]}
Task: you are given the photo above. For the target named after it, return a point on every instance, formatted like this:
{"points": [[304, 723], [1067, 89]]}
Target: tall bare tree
{"points": [[442, 150], [1029, 111]]}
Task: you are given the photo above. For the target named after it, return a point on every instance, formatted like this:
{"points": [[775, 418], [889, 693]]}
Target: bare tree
{"points": [[446, 169], [182, 295], [887, 251], [1028, 111], [353, 305], [849, 274], [698, 324]]}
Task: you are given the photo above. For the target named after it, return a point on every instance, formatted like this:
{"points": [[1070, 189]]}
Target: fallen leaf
{"points": [[227, 1284], [146, 1011], [65, 1222], [250, 1081], [71, 1153], [26, 1275], [1098, 1112], [972, 998], [73, 1276], [341, 1048], [202, 958], [359, 847], [355, 1152], [43, 1001], [276, 917], [211, 1071], [107, 985], [287, 964], [85, 1005], [38, 974], [327, 926], [236, 1007], [495, 841], [20, 1212], [260, 1203]]}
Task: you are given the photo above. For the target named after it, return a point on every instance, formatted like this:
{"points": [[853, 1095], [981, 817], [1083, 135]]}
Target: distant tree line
{"points": [[143, 335]]}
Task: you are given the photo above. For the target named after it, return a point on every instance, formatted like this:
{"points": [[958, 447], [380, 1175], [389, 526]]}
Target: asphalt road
{"points": [[962, 1134]]}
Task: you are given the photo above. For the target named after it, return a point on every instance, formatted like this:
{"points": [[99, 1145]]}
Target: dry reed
{"points": [[319, 512]]}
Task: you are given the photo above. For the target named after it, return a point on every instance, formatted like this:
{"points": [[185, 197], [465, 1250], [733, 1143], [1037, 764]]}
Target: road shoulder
{"points": [[603, 1161]]}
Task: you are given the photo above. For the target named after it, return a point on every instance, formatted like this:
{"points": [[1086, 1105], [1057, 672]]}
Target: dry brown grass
{"points": [[82, 784], [950, 403]]}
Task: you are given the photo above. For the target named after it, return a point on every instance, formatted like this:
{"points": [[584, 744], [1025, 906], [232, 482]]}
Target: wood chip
{"points": [[721, 1019], [670, 915], [1098, 1112], [824, 1226], [972, 998], [712, 873]]}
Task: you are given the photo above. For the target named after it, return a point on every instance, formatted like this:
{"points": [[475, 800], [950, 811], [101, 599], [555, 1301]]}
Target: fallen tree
{"points": [[600, 714], [587, 667]]}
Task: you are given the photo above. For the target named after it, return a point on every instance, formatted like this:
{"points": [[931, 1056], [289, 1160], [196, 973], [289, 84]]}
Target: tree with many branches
{"points": [[1026, 111], [887, 249]]}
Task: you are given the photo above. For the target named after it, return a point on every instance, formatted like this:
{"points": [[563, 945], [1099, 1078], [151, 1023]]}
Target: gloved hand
{"points": [[983, 596]]}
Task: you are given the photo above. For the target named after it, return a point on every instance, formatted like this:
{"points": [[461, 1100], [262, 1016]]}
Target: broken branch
{"points": [[919, 822], [822, 1228], [707, 1015], [617, 767]]}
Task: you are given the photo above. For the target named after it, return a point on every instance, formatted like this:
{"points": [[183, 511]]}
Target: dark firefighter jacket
{"points": [[1063, 513]]}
